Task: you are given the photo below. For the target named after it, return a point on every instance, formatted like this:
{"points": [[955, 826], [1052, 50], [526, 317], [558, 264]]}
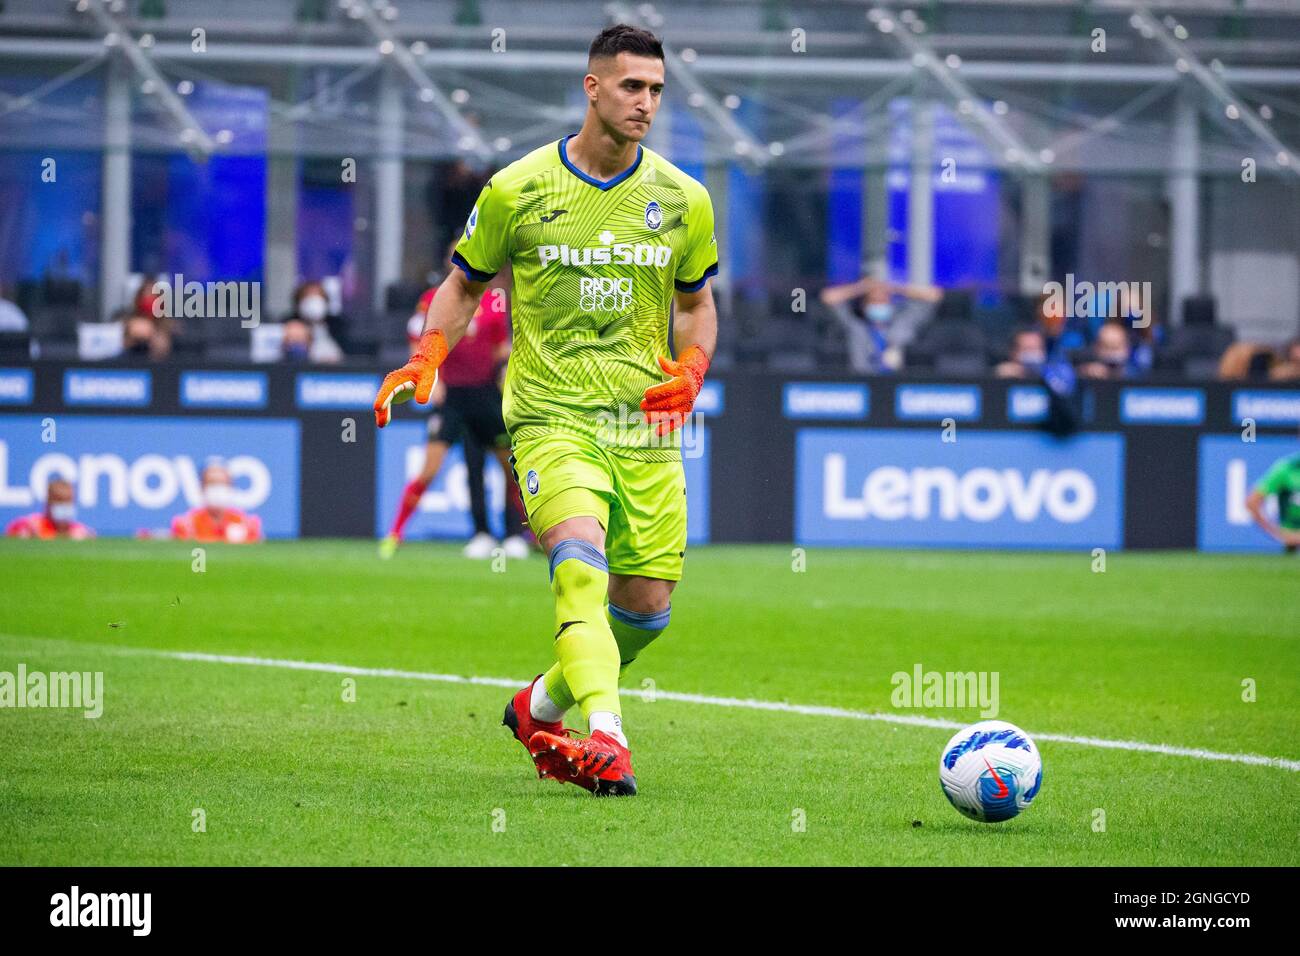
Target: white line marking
{"points": [[808, 710]]}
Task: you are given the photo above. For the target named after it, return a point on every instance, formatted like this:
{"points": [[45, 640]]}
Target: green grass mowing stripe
{"points": [[811, 710]]}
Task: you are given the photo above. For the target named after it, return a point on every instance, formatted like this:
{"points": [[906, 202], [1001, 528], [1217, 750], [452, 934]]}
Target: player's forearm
{"points": [[696, 325], [453, 306], [1255, 505], [835, 294], [922, 293]]}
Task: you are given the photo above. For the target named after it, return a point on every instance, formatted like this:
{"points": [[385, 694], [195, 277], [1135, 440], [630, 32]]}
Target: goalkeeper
{"points": [[604, 237]]}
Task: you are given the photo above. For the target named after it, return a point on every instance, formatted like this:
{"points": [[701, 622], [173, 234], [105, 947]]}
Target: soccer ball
{"points": [[990, 771]]}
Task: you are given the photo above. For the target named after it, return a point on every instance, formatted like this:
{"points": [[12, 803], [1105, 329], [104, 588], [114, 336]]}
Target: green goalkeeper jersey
{"points": [[595, 265], [1283, 480]]}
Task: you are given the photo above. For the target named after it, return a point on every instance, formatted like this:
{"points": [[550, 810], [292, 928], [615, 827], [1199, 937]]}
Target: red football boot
{"points": [[519, 718], [598, 763]]}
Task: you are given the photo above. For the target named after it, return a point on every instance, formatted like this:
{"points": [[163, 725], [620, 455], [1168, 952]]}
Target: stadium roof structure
{"points": [[1088, 86]]}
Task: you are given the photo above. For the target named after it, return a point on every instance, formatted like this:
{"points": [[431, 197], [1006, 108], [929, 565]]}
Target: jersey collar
{"points": [[591, 180]]}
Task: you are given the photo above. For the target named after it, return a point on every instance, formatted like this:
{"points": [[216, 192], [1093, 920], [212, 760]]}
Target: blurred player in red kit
{"points": [[58, 520], [467, 408]]}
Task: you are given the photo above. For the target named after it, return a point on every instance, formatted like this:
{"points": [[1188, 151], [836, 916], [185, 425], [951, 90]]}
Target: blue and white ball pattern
{"points": [[990, 771]]}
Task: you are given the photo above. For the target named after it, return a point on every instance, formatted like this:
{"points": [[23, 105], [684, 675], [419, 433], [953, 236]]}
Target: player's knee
{"points": [[581, 528], [647, 619], [579, 576], [641, 595]]}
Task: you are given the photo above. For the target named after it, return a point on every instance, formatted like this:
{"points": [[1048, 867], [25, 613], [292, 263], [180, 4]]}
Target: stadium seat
{"points": [[53, 308], [403, 296], [959, 366], [831, 343], [1200, 310], [949, 347], [363, 339], [188, 348], [957, 305], [99, 340], [1201, 367], [789, 343], [15, 347], [1196, 347], [394, 355], [234, 354]]}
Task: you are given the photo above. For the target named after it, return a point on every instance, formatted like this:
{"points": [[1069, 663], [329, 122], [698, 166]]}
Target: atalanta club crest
{"points": [[654, 218], [532, 482]]}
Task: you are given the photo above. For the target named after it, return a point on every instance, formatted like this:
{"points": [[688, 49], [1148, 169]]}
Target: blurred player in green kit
{"points": [[1283, 481]]}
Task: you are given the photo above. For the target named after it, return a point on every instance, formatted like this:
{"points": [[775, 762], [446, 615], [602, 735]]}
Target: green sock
{"points": [[634, 631], [556, 688], [631, 638], [584, 645]]}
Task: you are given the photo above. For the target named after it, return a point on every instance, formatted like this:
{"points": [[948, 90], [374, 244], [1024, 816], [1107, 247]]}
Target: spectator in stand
{"points": [[12, 318], [58, 520], [1111, 354], [880, 319], [215, 519], [1288, 367], [146, 331], [295, 343], [1028, 355], [1146, 336], [1246, 360], [1062, 335], [307, 332]]}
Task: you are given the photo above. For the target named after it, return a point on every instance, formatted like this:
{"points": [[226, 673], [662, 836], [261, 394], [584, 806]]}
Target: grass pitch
{"points": [[285, 770]]}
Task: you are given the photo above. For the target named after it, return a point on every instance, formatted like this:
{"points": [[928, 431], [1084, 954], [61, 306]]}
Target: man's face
{"points": [[58, 503], [1112, 345], [624, 90], [216, 488], [1030, 349], [296, 333]]}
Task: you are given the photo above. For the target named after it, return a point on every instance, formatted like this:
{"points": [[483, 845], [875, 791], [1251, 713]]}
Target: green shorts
{"points": [[640, 504]]}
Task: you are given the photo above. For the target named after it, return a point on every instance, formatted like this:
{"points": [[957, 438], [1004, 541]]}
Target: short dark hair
{"points": [[622, 38]]}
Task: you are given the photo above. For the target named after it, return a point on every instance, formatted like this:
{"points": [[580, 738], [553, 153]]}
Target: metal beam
{"points": [[116, 34], [920, 194], [1185, 61], [972, 110], [280, 237], [389, 211], [1035, 233], [848, 69], [1184, 191], [115, 198], [698, 96], [875, 219], [468, 137]]}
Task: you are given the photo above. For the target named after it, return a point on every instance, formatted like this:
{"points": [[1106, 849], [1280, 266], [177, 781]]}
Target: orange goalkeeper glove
{"points": [[416, 378], [669, 404]]}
